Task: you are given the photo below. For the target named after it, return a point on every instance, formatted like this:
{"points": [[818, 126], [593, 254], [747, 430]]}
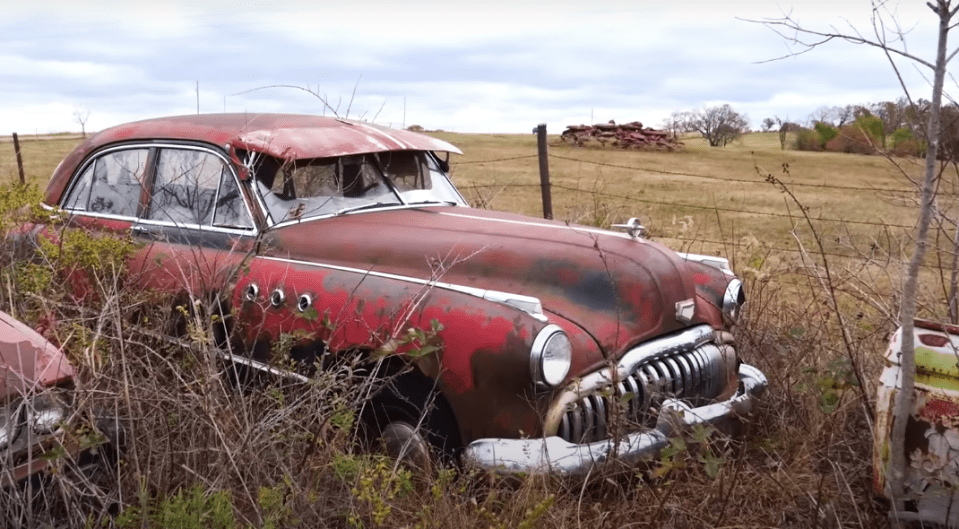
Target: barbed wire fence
{"points": [[579, 194]]}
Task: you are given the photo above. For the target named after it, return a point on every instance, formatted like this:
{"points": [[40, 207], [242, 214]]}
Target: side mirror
{"points": [[445, 163]]}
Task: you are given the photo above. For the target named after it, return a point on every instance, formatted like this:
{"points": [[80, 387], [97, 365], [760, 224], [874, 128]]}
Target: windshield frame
{"points": [[441, 192]]}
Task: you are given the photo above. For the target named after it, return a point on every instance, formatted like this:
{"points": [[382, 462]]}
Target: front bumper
{"points": [[556, 455]]}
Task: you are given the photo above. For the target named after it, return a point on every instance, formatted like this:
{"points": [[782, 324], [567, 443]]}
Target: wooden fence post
{"points": [[16, 148], [544, 171]]}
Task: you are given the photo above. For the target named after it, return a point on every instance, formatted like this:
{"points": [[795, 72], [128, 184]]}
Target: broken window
{"points": [[418, 178], [322, 186], [325, 186]]}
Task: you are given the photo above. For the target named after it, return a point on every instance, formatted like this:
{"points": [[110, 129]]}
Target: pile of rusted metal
{"points": [[627, 135]]}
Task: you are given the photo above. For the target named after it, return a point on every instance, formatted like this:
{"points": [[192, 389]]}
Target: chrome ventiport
{"points": [[277, 297], [304, 302], [252, 291]]}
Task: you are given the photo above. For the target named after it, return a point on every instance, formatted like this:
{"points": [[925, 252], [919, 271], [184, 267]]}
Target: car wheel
{"points": [[410, 421]]}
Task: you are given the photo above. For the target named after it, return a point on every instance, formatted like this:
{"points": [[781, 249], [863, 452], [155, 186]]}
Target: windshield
{"points": [[301, 189]]}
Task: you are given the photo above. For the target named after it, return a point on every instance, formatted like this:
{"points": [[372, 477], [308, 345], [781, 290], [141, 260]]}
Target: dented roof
{"points": [[286, 136]]}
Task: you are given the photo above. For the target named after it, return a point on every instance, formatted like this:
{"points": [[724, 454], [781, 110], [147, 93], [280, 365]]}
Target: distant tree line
{"points": [[893, 127]]}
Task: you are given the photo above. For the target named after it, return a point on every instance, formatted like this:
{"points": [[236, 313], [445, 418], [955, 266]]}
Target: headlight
{"points": [[734, 299], [551, 356], [9, 422], [46, 412]]}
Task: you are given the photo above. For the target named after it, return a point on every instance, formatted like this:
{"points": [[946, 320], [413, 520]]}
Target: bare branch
{"points": [[307, 90], [352, 96], [378, 111], [786, 24]]}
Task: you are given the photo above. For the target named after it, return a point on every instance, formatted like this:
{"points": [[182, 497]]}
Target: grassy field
{"points": [[806, 460]]}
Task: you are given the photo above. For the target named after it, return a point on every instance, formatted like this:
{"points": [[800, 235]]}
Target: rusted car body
{"points": [[932, 432], [551, 346], [35, 398]]}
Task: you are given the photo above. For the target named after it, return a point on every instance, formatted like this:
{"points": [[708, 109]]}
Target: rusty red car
{"points": [[37, 409], [517, 344]]}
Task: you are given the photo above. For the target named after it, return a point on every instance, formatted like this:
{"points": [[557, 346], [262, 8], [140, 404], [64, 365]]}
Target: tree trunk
{"points": [[907, 313]]}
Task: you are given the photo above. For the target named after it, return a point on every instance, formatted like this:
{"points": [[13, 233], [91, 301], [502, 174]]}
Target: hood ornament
{"points": [[634, 227]]}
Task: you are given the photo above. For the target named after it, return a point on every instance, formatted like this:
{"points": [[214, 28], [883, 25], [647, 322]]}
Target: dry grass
{"points": [[281, 457]]}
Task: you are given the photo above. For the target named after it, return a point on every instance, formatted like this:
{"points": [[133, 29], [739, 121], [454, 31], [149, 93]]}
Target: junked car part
{"points": [[37, 405], [932, 432]]}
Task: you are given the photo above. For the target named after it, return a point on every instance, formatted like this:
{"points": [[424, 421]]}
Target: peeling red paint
{"points": [[940, 411], [493, 280]]}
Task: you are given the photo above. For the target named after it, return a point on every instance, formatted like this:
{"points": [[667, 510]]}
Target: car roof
{"points": [[285, 136]]}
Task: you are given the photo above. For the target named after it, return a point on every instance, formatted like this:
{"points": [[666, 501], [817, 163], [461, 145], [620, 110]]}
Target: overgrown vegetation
{"points": [[203, 451]]}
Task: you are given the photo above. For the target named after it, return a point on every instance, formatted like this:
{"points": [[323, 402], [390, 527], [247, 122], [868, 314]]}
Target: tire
{"points": [[412, 422]]}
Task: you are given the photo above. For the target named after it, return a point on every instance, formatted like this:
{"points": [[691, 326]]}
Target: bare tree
{"points": [[81, 116], [719, 125], [889, 38], [822, 114], [676, 123], [768, 124]]}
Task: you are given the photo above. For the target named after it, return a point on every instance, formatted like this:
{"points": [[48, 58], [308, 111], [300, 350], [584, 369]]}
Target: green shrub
{"points": [[192, 508], [904, 143], [873, 128], [808, 140], [826, 132], [855, 140]]}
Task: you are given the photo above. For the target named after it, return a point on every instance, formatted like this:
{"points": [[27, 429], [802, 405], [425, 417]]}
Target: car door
{"points": [[104, 198], [195, 224]]}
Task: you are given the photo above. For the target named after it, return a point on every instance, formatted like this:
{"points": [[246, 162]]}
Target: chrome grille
{"points": [[696, 376]]}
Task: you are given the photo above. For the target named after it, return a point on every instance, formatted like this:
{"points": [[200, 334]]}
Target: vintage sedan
{"points": [[519, 344]]}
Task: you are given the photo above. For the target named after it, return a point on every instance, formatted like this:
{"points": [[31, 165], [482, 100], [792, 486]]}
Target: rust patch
{"points": [[933, 340], [940, 411]]}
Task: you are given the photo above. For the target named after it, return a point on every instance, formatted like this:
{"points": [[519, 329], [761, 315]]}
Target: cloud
{"points": [[469, 67]]}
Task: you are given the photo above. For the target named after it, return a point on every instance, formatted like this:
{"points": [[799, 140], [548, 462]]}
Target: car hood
{"points": [[28, 362], [619, 290]]}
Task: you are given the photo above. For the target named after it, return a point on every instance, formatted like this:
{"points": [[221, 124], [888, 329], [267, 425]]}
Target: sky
{"points": [[491, 67]]}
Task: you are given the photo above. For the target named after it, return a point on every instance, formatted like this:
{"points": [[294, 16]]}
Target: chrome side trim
{"points": [[554, 455], [719, 263], [527, 304], [579, 229]]}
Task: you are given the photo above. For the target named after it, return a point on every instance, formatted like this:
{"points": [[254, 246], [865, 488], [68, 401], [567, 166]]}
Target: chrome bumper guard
{"points": [[556, 455]]}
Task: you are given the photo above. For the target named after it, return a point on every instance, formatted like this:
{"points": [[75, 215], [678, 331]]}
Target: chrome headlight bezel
{"points": [[10, 422], [40, 415], [550, 357], [47, 412], [734, 299]]}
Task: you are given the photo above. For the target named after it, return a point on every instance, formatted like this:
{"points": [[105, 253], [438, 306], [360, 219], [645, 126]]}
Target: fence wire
{"points": [[671, 204]]}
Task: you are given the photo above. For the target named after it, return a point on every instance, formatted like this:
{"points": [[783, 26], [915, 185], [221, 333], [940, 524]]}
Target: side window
{"points": [[112, 184], [230, 211], [184, 187]]}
